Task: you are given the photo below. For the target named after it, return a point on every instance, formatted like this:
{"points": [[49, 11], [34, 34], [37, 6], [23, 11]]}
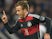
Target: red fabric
{"points": [[28, 18], [30, 30]]}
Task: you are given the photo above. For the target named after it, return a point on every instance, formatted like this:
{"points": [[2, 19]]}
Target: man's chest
{"points": [[27, 22], [28, 26]]}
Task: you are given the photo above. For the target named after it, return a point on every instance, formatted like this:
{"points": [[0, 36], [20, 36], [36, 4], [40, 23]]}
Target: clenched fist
{"points": [[4, 18]]}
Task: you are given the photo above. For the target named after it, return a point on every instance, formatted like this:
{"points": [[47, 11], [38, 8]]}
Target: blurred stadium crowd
{"points": [[40, 7]]}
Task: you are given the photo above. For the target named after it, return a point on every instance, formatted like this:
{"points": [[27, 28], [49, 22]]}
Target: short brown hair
{"points": [[23, 4]]}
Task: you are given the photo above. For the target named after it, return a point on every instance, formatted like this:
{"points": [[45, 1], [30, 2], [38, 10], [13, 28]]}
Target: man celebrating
{"points": [[27, 23]]}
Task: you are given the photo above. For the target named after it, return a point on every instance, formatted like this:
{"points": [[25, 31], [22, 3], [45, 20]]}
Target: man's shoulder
{"points": [[37, 16], [34, 15]]}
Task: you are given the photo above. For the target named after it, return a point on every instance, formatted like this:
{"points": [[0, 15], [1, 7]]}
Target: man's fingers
{"points": [[4, 12], [4, 19]]}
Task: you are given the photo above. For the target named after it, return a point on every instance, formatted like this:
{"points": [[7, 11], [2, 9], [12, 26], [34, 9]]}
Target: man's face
{"points": [[20, 11], [47, 36], [31, 9]]}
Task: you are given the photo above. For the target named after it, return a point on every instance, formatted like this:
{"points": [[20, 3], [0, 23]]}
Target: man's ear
{"points": [[25, 10]]}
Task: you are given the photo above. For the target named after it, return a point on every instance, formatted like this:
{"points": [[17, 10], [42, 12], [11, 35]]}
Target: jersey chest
{"points": [[27, 22]]}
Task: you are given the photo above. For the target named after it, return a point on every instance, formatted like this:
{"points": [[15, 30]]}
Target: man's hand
{"points": [[4, 18]]}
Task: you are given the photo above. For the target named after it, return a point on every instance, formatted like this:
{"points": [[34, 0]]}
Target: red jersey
{"points": [[29, 25]]}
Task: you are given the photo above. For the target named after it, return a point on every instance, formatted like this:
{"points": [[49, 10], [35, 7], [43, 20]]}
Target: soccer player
{"points": [[27, 23]]}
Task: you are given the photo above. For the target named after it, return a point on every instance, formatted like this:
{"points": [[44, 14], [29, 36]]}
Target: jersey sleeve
{"points": [[9, 29], [16, 27], [38, 17], [13, 29]]}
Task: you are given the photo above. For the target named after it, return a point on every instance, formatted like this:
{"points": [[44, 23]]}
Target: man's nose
{"points": [[16, 13]]}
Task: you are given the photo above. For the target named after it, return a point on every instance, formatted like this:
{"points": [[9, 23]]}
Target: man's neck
{"points": [[25, 14]]}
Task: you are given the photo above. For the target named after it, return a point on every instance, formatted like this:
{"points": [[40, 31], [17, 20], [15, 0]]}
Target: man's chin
{"points": [[21, 17]]}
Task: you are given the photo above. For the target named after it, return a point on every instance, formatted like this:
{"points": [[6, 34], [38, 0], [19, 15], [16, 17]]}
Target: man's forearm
{"points": [[8, 28]]}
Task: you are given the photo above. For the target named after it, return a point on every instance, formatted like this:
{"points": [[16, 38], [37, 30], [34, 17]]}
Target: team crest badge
{"points": [[21, 25], [29, 24]]}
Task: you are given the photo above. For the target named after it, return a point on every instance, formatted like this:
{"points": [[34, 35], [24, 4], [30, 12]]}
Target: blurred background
{"points": [[40, 7]]}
